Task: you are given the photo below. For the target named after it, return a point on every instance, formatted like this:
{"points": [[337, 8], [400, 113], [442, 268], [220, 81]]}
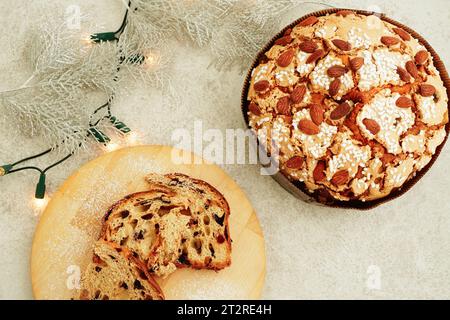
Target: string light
{"points": [[112, 146], [152, 59], [132, 138], [40, 187], [4, 170], [40, 204], [119, 125], [86, 40], [99, 135], [40, 200], [104, 36]]}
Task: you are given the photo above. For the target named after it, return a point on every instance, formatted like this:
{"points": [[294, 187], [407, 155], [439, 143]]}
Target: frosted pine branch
{"points": [[234, 30], [68, 72]]}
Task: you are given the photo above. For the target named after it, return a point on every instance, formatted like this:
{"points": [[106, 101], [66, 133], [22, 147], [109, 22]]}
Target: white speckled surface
{"points": [[312, 252]]}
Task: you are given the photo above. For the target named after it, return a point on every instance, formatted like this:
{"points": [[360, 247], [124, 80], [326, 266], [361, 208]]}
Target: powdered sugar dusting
{"points": [[208, 286]]}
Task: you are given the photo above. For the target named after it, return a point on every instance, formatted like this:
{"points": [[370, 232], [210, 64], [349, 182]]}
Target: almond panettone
{"points": [[351, 106]]}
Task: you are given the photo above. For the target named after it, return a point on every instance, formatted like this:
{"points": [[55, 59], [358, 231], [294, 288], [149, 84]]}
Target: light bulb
{"points": [[132, 138], [40, 204], [152, 59], [86, 40], [112, 146]]}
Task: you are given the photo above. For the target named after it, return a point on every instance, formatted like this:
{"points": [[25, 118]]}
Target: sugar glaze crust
{"points": [[354, 104]]}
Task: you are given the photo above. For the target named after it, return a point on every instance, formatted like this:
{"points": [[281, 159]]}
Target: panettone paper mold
{"points": [[297, 188]]}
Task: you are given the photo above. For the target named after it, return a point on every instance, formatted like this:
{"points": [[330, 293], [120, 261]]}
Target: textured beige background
{"points": [[312, 252]]}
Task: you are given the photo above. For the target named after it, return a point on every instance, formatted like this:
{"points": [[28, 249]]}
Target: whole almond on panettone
{"points": [[283, 106], [308, 21], [402, 34], [319, 171], [334, 87], [389, 41], [404, 102], [372, 126], [342, 44], [356, 63], [336, 71], [421, 57], [308, 46], [344, 13], [316, 55], [316, 112], [308, 127], [298, 94], [253, 108], [412, 69], [284, 40], [261, 85], [340, 178], [403, 74], [285, 58], [427, 90], [341, 111], [295, 163]]}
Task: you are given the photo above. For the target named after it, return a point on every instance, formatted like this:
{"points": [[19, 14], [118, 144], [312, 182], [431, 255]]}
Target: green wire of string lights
{"points": [[93, 131]]}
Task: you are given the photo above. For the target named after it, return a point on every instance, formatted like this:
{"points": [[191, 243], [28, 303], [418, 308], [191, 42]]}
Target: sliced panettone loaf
{"points": [[210, 234], [171, 226], [114, 274], [150, 224]]}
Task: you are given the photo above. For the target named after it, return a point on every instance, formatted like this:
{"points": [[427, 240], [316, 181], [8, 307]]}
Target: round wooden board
{"points": [[71, 223]]}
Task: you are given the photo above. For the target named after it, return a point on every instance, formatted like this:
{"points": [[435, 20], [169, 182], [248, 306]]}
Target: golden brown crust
{"points": [[434, 129], [162, 253], [223, 204]]}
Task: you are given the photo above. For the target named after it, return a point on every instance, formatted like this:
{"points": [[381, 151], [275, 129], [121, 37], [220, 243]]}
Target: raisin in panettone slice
{"points": [[168, 227], [209, 242], [114, 274]]}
